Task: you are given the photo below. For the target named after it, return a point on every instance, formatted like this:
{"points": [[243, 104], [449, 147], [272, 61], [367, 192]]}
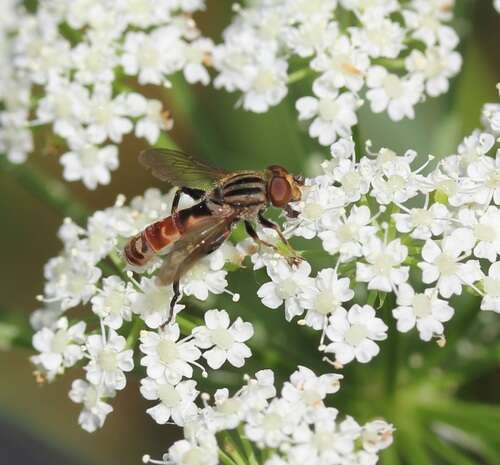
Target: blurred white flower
{"points": [[95, 409], [60, 347]]}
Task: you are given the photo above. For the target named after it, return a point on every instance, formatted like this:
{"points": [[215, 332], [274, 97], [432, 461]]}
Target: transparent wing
{"points": [[179, 168], [194, 245]]}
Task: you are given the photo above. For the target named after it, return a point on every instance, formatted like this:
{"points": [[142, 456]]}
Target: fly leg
{"points": [[175, 297], [292, 260], [295, 258], [195, 194], [208, 245]]}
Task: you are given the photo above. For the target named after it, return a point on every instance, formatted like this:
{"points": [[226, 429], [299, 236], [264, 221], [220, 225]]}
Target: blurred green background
{"points": [[421, 388]]}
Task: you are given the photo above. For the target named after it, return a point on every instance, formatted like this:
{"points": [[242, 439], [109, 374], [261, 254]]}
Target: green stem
{"points": [[135, 331], [299, 75], [45, 188], [226, 459], [391, 348]]}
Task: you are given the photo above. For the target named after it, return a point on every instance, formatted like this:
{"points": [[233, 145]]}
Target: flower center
{"points": [[328, 109], [323, 441], [194, 456], [421, 217], [313, 211], [167, 351], [485, 232], [272, 422], [356, 334], [346, 232], [351, 181], [325, 303], [383, 264], [222, 338], [89, 156], [396, 183], [168, 395], [194, 55], [114, 302], [91, 398], [287, 289], [230, 406], [264, 81], [107, 360], [447, 265], [492, 286], [59, 341], [393, 86], [421, 305], [494, 180]]}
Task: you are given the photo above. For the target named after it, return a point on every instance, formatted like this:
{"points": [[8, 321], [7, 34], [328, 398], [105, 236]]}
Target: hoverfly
{"points": [[224, 198]]}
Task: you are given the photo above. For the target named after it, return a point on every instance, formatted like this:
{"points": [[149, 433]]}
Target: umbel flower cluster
{"points": [[75, 68], [404, 238], [292, 428]]}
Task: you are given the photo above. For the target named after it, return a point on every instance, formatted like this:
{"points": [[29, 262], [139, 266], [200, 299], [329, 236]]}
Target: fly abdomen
{"points": [[145, 245]]}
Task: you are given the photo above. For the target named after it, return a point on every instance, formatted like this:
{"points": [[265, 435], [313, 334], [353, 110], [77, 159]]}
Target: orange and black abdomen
{"points": [[157, 236], [145, 245]]}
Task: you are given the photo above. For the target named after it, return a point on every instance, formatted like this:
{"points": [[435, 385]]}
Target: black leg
{"points": [[195, 194], [253, 234], [269, 224], [173, 301]]}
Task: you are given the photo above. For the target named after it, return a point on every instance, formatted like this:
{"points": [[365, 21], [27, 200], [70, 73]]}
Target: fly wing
{"points": [[192, 246], [180, 169]]}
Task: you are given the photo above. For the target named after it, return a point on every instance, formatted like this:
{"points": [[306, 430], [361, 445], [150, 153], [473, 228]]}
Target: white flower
{"points": [[485, 228], [485, 175], [153, 303], [319, 209], [343, 64], [352, 179], [325, 298], [60, 347], [491, 284], [106, 116], [108, 360], [113, 302], [270, 428], [206, 276], [390, 92], [443, 263], [184, 452], [353, 334], [267, 86], [383, 270], [90, 163], [437, 65], [348, 234], [379, 37], [423, 223], [176, 402], [425, 310], [377, 435], [195, 54], [70, 280], [167, 357], [95, 410], [224, 341], [305, 388], [286, 286], [333, 114], [144, 54]]}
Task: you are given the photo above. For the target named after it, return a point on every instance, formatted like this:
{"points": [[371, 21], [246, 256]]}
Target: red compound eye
{"points": [[280, 191]]}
